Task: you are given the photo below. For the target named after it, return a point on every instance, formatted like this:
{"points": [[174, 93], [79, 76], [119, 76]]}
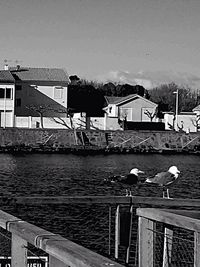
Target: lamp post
{"points": [[176, 110]]}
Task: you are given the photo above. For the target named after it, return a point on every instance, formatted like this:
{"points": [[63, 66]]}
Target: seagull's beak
{"points": [[178, 171], [140, 171]]}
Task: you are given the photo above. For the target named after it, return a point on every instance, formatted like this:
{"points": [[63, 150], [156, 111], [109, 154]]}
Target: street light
{"points": [[176, 112]]}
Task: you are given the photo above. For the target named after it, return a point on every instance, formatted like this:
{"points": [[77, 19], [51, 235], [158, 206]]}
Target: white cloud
{"points": [[150, 79]]}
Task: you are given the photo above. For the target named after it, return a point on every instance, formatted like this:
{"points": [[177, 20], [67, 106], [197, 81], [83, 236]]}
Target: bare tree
{"points": [[172, 126], [60, 120], [150, 114], [196, 122], [41, 110]]}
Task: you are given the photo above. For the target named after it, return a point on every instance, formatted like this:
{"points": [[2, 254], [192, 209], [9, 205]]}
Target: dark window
{"points": [[18, 87], [2, 92], [18, 102], [8, 93]]}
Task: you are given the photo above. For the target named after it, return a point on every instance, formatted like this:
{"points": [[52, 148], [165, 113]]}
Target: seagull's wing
{"points": [[163, 178]]}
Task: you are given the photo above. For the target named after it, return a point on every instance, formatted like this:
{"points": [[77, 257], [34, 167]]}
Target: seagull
{"points": [[164, 179], [129, 179]]}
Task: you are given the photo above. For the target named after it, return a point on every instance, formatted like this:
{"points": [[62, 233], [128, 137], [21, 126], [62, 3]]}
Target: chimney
{"points": [[6, 67]]}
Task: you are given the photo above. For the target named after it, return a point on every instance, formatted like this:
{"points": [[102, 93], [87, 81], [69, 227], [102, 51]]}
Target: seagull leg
{"points": [[130, 193], [127, 193], [168, 193], [163, 193]]}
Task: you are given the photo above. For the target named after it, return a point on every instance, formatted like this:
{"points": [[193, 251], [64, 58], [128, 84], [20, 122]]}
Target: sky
{"points": [[145, 42]]}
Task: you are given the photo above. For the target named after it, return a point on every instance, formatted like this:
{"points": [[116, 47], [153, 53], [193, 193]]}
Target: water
{"points": [[67, 175], [72, 175]]}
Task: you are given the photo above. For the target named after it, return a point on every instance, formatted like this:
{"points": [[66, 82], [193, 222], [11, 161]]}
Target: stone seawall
{"points": [[64, 141]]}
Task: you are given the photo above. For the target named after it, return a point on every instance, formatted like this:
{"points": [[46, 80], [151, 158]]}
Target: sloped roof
{"points": [[40, 74], [6, 76], [196, 108], [117, 100]]}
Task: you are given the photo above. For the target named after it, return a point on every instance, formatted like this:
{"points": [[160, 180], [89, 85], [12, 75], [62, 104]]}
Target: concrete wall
{"points": [[122, 139]]}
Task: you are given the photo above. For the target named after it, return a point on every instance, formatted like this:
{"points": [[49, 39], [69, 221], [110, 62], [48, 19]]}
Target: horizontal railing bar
{"points": [[185, 221], [64, 250], [176, 202]]}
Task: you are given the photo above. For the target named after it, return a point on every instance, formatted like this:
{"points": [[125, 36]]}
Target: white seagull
{"points": [[164, 179]]}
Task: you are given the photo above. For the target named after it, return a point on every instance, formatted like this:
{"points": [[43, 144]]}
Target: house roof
{"points": [[120, 100], [6, 76], [40, 74], [197, 108]]}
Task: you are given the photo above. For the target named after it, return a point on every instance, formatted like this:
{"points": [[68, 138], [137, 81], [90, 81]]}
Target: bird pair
{"points": [[163, 179]]}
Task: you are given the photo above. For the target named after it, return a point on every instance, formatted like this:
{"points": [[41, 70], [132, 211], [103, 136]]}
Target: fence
{"points": [[108, 225], [61, 252], [169, 238]]}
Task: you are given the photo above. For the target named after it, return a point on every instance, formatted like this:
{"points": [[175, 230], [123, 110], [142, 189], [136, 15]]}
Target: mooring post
{"points": [[146, 242], [117, 231], [18, 252]]}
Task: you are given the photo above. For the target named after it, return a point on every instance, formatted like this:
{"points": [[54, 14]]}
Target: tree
{"points": [[85, 98], [165, 97], [196, 122], [150, 114], [39, 109]]}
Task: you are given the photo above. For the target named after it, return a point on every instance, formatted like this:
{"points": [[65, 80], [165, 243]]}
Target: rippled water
{"points": [[67, 175], [54, 175]]}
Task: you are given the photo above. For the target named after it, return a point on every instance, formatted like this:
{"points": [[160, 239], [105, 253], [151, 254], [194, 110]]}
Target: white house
{"points": [[7, 99], [133, 108], [31, 92]]}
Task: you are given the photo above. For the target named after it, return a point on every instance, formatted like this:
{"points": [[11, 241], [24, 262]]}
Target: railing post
{"points": [[117, 231], [146, 242], [167, 248], [18, 252], [196, 249], [53, 262]]}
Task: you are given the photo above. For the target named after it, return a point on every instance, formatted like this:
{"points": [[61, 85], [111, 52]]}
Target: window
{"points": [[126, 114], [18, 102], [58, 92], [6, 93], [18, 87], [2, 92]]}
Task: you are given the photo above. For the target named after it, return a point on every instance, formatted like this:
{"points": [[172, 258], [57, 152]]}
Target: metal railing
{"points": [[107, 225], [168, 237], [61, 251]]}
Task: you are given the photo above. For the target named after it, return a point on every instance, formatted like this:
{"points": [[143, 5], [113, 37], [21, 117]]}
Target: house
{"points": [[196, 110], [36, 93], [131, 108], [7, 96]]}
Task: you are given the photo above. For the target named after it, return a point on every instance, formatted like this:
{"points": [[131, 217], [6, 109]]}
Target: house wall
{"points": [[112, 110], [7, 107], [137, 107], [40, 93]]}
